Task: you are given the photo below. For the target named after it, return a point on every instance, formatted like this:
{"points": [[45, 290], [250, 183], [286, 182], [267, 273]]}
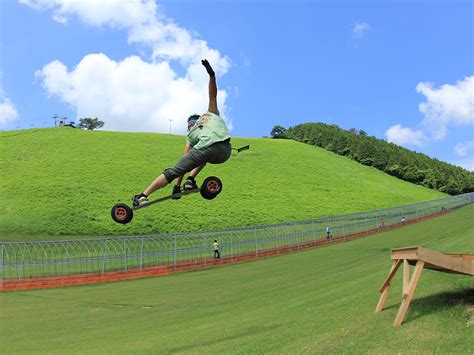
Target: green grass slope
{"points": [[65, 181], [317, 301]]}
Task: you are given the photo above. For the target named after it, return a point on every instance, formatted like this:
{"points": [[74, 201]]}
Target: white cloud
{"points": [[8, 112], [134, 94], [462, 149], [130, 95], [59, 18], [447, 105], [359, 30], [146, 24], [115, 13], [467, 164], [405, 136]]}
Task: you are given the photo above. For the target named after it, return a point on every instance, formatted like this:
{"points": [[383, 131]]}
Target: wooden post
{"points": [[407, 297], [406, 276], [386, 285]]}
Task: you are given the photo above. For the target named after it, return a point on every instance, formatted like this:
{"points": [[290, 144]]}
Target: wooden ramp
{"points": [[421, 258]]}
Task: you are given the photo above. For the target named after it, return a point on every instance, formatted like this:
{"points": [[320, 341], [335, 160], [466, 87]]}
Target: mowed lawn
{"points": [[65, 182], [319, 300]]}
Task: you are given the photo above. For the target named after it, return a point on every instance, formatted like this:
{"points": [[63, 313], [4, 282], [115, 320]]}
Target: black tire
{"points": [[211, 187], [121, 213]]}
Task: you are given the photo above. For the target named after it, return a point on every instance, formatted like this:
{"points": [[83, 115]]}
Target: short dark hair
{"points": [[193, 117]]}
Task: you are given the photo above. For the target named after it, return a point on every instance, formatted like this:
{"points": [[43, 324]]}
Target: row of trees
{"points": [[395, 160]]}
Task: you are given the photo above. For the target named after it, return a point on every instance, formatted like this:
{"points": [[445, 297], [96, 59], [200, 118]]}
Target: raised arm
{"points": [[212, 88]]}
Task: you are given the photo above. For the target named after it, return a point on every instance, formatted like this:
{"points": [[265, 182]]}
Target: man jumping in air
{"points": [[207, 141]]}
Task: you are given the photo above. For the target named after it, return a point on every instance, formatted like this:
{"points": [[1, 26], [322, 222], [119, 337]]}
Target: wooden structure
{"points": [[421, 258]]}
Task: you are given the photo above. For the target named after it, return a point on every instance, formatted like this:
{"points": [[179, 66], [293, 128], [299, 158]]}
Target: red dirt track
{"points": [[196, 264]]}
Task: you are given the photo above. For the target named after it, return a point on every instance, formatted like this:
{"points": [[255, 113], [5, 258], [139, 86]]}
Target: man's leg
{"points": [[196, 171], [158, 183], [189, 162]]}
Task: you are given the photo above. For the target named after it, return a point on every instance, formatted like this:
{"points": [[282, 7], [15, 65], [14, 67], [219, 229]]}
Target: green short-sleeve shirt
{"points": [[209, 129]]}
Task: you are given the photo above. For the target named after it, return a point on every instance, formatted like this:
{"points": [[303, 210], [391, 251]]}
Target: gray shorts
{"points": [[217, 153]]}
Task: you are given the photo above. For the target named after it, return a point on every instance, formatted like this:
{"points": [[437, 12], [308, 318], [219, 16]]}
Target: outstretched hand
{"points": [[208, 67]]}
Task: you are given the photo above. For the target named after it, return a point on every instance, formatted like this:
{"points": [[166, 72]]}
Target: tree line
{"points": [[403, 163]]}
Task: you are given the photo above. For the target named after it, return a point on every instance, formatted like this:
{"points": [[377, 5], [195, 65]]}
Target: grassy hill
{"points": [[64, 181], [317, 301]]}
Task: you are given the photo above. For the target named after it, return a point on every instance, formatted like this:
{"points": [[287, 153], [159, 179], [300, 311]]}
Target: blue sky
{"points": [[400, 70]]}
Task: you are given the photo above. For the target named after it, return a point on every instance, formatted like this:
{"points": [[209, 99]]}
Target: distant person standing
{"points": [[215, 246], [328, 232], [382, 223], [403, 220]]}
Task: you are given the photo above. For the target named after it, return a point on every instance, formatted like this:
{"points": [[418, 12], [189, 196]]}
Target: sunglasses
{"points": [[191, 123]]}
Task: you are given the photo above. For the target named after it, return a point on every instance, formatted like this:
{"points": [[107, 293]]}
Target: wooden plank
{"points": [[406, 276], [452, 263], [468, 257], [407, 297], [386, 286], [446, 262], [410, 253], [395, 265]]}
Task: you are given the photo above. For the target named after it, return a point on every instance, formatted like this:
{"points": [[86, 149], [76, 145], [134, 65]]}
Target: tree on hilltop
{"points": [[278, 132], [90, 123]]}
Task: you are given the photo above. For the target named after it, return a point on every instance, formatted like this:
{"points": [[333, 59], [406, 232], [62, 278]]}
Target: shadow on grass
{"points": [[423, 306], [245, 332]]}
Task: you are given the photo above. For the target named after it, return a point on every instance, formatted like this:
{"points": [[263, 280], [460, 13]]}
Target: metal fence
{"points": [[64, 258]]}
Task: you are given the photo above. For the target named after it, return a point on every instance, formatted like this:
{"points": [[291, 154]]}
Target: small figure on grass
{"points": [[215, 247]]}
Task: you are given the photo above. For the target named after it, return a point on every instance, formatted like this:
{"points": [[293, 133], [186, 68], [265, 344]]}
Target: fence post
{"points": [[23, 264], [174, 254], [124, 246], [62, 264], [141, 255], [1, 266], [256, 242], [288, 236], [298, 238], [206, 248], [104, 256]]}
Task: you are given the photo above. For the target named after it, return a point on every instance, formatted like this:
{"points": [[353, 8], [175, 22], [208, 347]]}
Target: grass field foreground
{"points": [[320, 300]]}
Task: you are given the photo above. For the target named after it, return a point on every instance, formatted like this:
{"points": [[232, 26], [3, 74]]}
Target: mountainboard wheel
{"points": [[211, 187], [121, 213]]}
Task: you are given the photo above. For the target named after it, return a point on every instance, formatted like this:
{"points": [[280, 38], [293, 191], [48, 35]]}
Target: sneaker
{"points": [[139, 199], [176, 190], [190, 184]]}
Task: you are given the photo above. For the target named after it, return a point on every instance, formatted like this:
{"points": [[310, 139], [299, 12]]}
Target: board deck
{"points": [[169, 197]]}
